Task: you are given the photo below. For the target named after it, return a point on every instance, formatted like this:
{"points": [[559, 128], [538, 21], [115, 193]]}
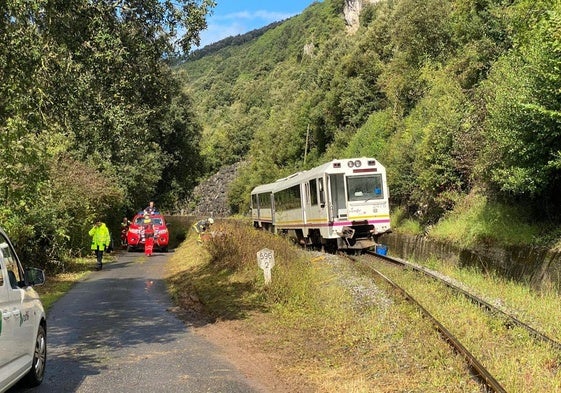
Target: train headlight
{"points": [[350, 164], [358, 163]]}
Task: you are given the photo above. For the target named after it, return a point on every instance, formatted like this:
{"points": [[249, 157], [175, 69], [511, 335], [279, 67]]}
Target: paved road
{"points": [[113, 333]]}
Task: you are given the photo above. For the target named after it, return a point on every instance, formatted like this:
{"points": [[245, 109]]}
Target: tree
{"points": [[443, 162], [524, 122], [91, 78]]}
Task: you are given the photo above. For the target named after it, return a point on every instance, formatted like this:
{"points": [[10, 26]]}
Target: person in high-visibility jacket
{"points": [[100, 241], [202, 226]]}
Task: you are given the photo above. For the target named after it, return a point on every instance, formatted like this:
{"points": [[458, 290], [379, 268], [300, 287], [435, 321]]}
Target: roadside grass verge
{"points": [[328, 328]]}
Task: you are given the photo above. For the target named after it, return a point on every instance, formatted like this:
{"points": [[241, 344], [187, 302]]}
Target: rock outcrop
{"points": [[351, 11], [210, 197]]}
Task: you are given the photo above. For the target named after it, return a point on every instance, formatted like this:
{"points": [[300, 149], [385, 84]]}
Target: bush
{"points": [[52, 226], [234, 246]]}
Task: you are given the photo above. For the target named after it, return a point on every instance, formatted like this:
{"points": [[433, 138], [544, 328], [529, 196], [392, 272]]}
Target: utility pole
{"points": [[306, 147]]}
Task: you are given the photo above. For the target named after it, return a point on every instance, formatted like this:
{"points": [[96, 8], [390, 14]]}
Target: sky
{"points": [[233, 17]]}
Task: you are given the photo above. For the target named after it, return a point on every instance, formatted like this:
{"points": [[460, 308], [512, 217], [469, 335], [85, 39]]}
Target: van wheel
{"points": [[35, 376]]}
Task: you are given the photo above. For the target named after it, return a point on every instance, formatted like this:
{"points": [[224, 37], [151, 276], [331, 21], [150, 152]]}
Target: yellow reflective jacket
{"points": [[100, 237]]}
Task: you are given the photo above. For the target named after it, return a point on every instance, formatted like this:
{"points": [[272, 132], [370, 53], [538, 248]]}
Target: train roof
{"points": [[335, 166], [263, 188]]}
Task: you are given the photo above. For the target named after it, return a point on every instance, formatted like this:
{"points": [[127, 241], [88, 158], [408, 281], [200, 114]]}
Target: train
{"points": [[340, 205]]}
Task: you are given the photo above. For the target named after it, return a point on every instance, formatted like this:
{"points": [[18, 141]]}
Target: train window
{"points": [[313, 193], [321, 193], [288, 199], [264, 201], [363, 188], [254, 204]]}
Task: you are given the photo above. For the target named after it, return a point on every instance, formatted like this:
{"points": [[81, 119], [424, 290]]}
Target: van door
{"points": [[19, 309]]}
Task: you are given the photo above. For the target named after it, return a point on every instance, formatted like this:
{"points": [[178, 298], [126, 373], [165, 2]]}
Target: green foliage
{"points": [[456, 98], [257, 88], [442, 162], [420, 30], [477, 220], [227, 42], [371, 140], [402, 222], [524, 123], [92, 119]]}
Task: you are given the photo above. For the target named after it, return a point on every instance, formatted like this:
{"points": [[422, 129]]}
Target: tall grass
{"points": [[232, 251], [327, 325], [477, 220], [401, 223]]}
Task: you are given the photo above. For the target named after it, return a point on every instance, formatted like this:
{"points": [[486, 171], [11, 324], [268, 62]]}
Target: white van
{"points": [[23, 326]]}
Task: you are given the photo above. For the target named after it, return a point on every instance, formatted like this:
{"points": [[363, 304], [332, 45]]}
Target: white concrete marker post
{"points": [[266, 261]]}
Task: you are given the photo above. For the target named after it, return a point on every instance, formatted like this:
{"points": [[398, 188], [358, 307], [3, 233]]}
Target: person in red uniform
{"points": [[148, 235]]}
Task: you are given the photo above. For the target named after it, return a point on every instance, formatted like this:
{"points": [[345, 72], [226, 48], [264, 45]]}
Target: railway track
{"points": [[489, 382], [511, 320]]}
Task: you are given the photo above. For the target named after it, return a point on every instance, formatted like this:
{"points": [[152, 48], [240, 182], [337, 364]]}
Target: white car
{"points": [[23, 324]]}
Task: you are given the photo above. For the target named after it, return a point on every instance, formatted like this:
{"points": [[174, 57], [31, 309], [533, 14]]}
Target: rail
{"points": [[476, 367], [482, 303]]}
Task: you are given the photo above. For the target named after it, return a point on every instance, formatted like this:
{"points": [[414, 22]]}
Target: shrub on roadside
{"points": [[234, 246], [51, 227]]}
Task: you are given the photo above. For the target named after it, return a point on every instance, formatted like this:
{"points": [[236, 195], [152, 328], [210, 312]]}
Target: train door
{"points": [[306, 206], [324, 202], [330, 208], [316, 205], [338, 203], [255, 213], [271, 213]]}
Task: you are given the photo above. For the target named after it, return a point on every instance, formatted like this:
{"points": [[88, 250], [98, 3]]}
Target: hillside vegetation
{"points": [[459, 99]]}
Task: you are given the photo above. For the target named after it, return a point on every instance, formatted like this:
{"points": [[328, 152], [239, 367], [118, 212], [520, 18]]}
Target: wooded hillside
{"points": [[457, 98]]}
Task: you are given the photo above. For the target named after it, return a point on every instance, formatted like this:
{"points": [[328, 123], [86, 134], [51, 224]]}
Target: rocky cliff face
{"points": [[210, 197], [351, 11]]}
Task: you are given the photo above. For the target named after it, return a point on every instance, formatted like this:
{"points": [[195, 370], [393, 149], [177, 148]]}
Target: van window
{"points": [[14, 274]]}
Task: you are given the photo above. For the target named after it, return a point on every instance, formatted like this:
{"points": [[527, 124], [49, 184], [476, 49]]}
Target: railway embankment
{"points": [[324, 323], [538, 266]]}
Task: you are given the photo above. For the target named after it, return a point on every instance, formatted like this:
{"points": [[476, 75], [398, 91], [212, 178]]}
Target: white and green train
{"points": [[340, 205]]}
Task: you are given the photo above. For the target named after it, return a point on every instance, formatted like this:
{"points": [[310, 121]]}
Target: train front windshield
{"points": [[363, 188]]}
